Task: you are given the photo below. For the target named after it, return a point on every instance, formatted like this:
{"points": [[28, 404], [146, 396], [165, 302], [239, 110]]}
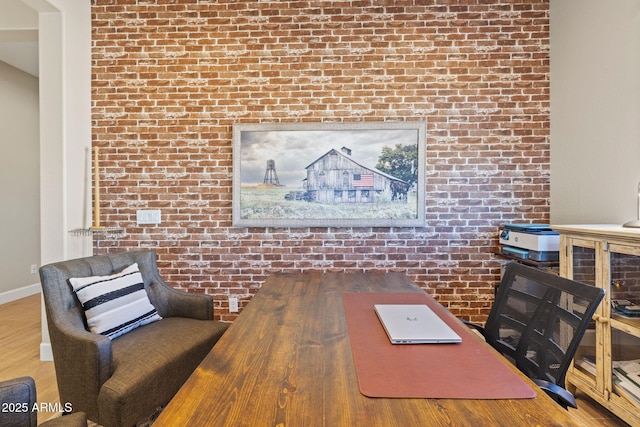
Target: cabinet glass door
{"points": [[624, 291], [583, 269]]}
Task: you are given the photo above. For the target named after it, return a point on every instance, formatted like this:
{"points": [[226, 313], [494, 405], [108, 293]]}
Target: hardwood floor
{"points": [[20, 343], [20, 339]]}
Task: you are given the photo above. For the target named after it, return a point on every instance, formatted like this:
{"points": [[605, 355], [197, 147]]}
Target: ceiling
{"points": [[19, 35]]}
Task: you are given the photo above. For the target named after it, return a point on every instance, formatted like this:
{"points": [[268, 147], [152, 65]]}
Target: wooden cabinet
{"points": [[607, 256]]}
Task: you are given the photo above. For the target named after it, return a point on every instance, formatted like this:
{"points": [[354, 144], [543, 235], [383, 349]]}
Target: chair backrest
{"points": [[538, 320], [59, 297]]}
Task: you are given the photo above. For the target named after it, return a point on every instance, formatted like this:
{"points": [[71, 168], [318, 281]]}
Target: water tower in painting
{"points": [[270, 176]]}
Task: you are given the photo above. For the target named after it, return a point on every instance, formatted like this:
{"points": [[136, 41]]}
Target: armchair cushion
{"points": [[151, 363], [115, 304]]}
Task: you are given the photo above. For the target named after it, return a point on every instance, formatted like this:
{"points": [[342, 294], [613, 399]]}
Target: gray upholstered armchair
{"points": [[18, 397], [123, 380]]}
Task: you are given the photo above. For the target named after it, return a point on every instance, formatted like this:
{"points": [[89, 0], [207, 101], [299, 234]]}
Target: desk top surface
{"points": [[287, 361]]}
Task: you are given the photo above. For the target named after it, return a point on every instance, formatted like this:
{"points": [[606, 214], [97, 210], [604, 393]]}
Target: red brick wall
{"points": [[170, 78]]}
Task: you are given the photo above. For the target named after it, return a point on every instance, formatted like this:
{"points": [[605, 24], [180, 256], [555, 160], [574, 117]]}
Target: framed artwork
{"points": [[362, 174]]}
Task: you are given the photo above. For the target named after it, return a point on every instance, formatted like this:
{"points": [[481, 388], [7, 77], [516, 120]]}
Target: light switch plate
{"points": [[148, 217], [233, 305]]}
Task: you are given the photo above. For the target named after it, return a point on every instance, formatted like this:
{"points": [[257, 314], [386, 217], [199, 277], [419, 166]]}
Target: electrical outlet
{"points": [[233, 305], [34, 268]]}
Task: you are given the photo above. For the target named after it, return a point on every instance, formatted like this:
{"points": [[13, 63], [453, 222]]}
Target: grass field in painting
{"points": [[268, 202]]}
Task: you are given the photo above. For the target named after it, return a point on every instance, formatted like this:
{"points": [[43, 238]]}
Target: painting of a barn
{"points": [[336, 177], [376, 179]]}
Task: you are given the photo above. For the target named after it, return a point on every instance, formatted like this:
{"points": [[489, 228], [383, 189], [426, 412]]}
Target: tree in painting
{"points": [[401, 162]]}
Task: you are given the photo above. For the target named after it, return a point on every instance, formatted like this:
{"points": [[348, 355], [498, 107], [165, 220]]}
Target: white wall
{"points": [[595, 110], [65, 126], [19, 182], [64, 60], [65, 121], [19, 151]]}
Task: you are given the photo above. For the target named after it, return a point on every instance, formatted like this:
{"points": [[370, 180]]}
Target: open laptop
{"points": [[414, 324]]}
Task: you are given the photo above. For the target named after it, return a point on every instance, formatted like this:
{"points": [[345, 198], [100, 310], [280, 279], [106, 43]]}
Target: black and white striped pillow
{"points": [[115, 304]]}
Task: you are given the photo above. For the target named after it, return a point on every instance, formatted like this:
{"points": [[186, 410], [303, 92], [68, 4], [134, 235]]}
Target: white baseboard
{"points": [[46, 354], [16, 294]]}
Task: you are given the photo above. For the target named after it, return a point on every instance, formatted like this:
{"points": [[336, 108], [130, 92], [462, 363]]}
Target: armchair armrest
{"points": [[22, 393], [83, 362], [183, 304], [557, 393], [171, 302]]}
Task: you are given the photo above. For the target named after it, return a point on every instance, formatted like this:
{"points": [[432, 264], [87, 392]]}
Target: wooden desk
{"points": [[287, 361]]}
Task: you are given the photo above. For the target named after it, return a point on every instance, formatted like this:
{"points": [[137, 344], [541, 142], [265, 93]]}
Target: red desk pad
{"points": [[468, 370]]}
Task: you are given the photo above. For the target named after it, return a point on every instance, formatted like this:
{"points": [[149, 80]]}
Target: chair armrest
{"points": [[475, 326], [169, 302], [557, 393], [20, 392], [83, 360], [183, 304]]}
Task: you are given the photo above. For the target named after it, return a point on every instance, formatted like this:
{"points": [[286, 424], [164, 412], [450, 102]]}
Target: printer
{"points": [[537, 242]]}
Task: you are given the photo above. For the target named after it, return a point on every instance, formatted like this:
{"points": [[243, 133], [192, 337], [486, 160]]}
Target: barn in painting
{"points": [[336, 177]]}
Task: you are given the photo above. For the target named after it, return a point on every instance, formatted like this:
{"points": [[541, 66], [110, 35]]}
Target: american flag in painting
{"points": [[363, 180]]}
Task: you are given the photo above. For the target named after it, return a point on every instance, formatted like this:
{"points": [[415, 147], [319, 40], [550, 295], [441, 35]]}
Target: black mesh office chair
{"points": [[537, 321]]}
